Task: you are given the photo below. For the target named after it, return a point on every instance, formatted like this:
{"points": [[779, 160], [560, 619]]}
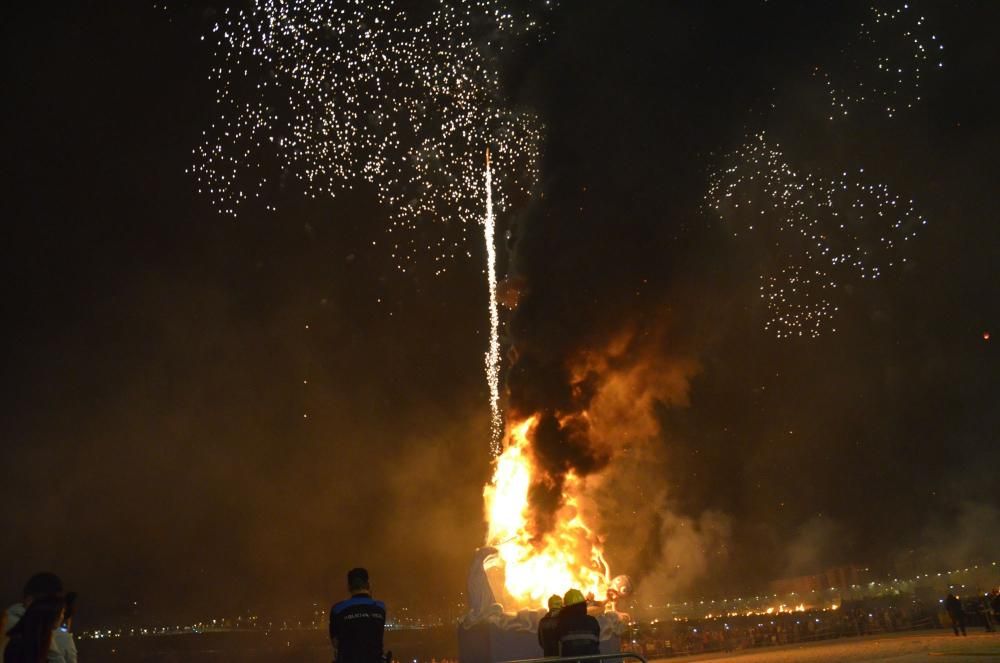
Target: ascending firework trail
{"points": [[330, 93], [493, 353]]}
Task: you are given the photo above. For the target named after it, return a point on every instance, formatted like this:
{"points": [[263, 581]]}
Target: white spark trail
{"points": [[493, 353]]}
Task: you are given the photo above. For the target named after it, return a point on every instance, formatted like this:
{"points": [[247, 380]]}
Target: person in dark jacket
{"points": [[986, 608], [579, 633], [548, 627], [956, 612], [357, 624]]}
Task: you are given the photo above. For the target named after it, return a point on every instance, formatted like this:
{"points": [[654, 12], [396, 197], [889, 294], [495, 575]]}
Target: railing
{"points": [[617, 656]]}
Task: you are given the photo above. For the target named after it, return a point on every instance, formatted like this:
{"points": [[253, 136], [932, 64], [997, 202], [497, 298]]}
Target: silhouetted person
{"points": [[955, 611], [31, 638], [579, 633], [39, 586], [357, 624], [985, 606], [548, 627]]}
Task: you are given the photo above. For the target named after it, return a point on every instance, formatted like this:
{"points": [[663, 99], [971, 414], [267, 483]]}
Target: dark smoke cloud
{"points": [[791, 457]]}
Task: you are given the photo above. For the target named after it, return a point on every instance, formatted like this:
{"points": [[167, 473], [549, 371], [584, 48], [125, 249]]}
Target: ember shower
{"points": [[411, 103], [832, 229], [337, 94]]}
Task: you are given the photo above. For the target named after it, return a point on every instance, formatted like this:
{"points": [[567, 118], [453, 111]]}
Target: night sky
{"points": [[202, 414]]}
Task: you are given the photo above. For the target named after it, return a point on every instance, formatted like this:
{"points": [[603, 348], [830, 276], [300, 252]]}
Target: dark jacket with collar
{"points": [[579, 633], [548, 633], [357, 625]]}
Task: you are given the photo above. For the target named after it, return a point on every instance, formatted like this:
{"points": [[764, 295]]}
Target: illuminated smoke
{"points": [[493, 353]]}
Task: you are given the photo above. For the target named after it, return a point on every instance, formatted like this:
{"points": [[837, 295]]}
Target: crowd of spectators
{"points": [[852, 618]]}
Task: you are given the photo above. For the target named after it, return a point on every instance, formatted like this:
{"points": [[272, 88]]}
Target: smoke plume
{"points": [[600, 399]]}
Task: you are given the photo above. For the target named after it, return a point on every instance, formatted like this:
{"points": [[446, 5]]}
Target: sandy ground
{"points": [[937, 645]]}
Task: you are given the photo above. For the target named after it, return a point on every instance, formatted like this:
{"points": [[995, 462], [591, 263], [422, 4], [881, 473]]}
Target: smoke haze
{"points": [[203, 417]]}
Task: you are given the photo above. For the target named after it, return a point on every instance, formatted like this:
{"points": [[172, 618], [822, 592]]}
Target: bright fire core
{"points": [[569, 556]]}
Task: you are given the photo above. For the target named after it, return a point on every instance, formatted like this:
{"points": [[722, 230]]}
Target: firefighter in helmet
{"points": [[548, 627], [579, 633]]}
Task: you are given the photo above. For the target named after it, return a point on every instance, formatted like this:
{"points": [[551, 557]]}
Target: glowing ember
{"points": [[538, 566]]}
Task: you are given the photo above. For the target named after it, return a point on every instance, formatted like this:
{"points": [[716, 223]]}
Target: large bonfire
{"points": [[539, 565], [540, 506]]}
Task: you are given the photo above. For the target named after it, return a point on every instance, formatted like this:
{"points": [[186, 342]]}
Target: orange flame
{"points": [[570, 556]]}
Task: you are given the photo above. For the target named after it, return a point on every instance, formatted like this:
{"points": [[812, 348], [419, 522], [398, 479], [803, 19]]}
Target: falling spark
{"points": [[829, 228], [493, 353], [797, 301], [333, 93], [886, 64]]}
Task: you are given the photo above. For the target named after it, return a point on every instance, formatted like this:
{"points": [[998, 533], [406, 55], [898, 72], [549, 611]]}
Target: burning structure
{"points": [[574, 405], [539, 562], [511, 578], [569, 419]]}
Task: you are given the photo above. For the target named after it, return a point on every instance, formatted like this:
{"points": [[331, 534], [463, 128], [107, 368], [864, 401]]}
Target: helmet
{"points": [[573, 597], [555, 602]]}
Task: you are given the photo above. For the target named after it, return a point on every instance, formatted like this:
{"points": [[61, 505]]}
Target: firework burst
{"points": [[337, 93], [827, 228], [332, 93], [886, 64]]}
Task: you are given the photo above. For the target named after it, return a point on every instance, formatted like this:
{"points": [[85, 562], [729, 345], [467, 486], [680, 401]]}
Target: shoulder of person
{"points": [[356, 601]]}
